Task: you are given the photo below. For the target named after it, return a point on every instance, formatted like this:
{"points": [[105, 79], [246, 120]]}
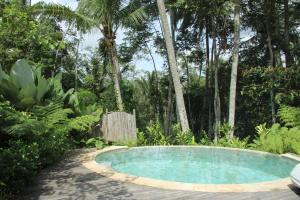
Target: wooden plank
{"points": [[119, 127]]}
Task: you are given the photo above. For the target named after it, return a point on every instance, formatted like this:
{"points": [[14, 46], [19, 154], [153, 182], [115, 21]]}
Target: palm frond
{"points": [[131, 15], [64, 13]]}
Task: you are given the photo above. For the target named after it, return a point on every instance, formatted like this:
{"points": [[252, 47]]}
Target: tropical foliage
{"points": [[197, 83], [280, 139], [38, 123]]}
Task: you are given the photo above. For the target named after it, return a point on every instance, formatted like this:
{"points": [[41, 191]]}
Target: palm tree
{"points": [[173, 66], [108, 17], [233, 82], [149, 89]]}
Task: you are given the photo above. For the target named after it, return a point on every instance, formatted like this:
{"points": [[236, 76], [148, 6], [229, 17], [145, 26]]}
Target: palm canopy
{"points": [[103, 14], [112, 14]]}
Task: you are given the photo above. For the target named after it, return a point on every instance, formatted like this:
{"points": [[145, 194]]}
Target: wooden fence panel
{"points": [[118, 127]]}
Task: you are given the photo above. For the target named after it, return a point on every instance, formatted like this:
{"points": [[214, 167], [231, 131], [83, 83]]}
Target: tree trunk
{"points": [[277, 56], [211, 98], [115, 72], [76, 66], [188, 92], [288, 59], [271, 64], [207, 75], [158, 104], [168, 126], [173, 28], [234, 69], [217, 105], [173, 66]]}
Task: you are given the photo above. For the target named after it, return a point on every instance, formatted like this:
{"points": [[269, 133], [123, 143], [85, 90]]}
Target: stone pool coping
{"points": [[88, 161]]}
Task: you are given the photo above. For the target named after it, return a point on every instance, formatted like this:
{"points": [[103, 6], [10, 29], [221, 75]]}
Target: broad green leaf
{"points": [[22, 74], [68, 93], [28, 91], [38, 73], [55, 82], [27, 102], [42, 88], [3, 75], [9, 90]]}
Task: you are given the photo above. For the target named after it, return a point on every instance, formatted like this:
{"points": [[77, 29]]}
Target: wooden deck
{"points": [[70, 180]]}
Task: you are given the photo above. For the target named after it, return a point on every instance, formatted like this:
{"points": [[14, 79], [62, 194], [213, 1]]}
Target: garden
{"points": [[198, 73]]}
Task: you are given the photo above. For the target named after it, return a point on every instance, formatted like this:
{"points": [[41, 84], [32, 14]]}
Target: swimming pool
{"points": [[203, 165]]}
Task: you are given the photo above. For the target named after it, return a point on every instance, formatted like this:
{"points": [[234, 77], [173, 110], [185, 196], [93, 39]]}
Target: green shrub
{"points": [[205, 140], [83, 123], [141, 138], [38, 121], [52, 148], [233, 142], [277, 139], [129, 143], [18, 163], [95, 142], [290, 116], [154, 135], [291, 140], [182, 138], [280, 139]]}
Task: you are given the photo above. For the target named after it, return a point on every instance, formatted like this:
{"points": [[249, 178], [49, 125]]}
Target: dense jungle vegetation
{"points": [[230, 76]]}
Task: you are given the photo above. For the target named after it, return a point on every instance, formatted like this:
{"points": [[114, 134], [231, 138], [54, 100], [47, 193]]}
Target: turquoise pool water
{"points": [[198, 164]]}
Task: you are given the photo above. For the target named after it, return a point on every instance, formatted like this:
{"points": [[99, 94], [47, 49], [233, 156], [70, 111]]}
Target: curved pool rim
{"points": [[88, 161]]}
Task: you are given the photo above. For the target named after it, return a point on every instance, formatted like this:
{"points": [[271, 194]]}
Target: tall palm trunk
{"points": [[234, 69], [271, 55], [169, 114], [210, 83], [173, 29], [173, 66], [271, 64], [217, 104], [158, 103], [207, 75], [168, 126], [76, 66], [111, 45], [188, 93], [288, 59]]}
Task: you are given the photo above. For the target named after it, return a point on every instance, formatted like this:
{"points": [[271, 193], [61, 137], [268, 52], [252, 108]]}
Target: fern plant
{"points": [[290, 116], [95, 142], [83, 123], [277, 139]]}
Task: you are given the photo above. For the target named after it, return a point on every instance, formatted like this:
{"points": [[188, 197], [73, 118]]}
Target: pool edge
{"points": [[88, 161]]}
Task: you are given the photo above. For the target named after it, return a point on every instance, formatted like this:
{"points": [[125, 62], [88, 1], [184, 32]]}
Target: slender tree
{"points": [[288, 59], [215, 64], [268, 6], [109, 16], [234, 68], [173, 66]]}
